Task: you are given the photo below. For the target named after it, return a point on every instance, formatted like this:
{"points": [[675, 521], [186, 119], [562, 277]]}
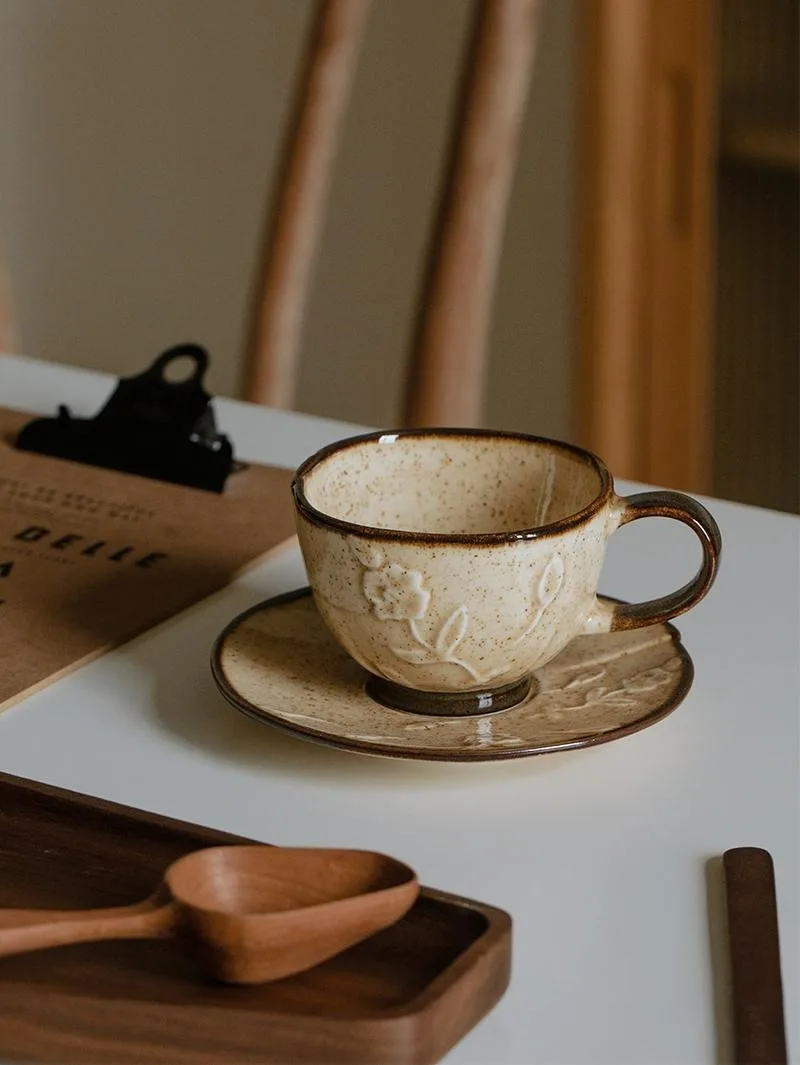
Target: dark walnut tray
{"points": [[407, 995]]}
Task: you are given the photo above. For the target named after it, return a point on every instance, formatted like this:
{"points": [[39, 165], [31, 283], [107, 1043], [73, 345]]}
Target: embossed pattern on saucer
{"points": [[279, 664]]}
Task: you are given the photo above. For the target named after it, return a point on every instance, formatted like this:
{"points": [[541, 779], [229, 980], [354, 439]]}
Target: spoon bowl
{"points": [[254, 914], [246, 914]]}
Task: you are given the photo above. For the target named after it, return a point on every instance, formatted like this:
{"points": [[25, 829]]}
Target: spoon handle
{"points": [[26, 930]]}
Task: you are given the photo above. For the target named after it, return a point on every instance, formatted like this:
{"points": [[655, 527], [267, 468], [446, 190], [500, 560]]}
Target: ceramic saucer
{"points": [[278, 663]]}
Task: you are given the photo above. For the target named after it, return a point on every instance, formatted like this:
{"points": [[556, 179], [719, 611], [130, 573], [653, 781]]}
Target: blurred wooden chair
{"points": [[447, 368], [643, 381], [8, 337], [644, 377]]}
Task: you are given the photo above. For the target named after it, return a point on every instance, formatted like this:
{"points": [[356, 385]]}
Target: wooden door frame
{"points": [[645, 295]]}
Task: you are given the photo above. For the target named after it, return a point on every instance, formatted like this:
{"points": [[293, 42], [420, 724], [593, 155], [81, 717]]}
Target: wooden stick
{"points": [[759, 1032], [302, 194], [446, 380]]}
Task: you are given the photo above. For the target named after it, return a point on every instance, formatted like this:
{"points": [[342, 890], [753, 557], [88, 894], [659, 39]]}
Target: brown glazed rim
{"points": [[422, 754], [318, 517]]}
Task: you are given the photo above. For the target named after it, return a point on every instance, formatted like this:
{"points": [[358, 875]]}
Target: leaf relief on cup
{"points": [[396, 593]]}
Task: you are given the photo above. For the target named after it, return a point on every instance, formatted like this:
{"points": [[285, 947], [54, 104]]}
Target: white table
{"points": [[599, 855]]}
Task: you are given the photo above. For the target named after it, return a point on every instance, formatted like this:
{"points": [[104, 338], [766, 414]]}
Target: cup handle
{"points": [[613, 616]]}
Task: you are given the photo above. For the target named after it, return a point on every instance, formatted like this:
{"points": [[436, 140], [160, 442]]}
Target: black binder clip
{"points": [[150, 426]]}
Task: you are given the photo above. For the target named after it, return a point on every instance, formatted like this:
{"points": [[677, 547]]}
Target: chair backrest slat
{"points": [[9, 340], [446, 381], [298, 213]]}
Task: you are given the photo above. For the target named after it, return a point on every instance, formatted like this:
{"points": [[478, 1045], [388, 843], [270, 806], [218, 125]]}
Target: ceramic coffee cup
{"points": [[453, 563]]}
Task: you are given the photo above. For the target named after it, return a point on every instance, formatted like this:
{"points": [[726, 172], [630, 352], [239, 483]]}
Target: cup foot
{"points": [[448, 704]]}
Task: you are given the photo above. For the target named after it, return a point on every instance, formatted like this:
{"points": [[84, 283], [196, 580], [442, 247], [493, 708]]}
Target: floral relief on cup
{"points": [[396, 593]]}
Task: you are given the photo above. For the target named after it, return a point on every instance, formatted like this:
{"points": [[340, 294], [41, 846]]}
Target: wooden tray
{"points": [[407, 995]]}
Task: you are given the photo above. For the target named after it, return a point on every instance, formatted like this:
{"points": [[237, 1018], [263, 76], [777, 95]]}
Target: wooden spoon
{"points": [[246, 914]]}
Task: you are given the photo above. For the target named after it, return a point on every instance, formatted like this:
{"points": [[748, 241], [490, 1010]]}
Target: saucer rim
{"points": [[452, 755]]}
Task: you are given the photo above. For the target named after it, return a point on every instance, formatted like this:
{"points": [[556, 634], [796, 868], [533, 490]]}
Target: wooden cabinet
{"points": [[756, 387], [687, 295]]}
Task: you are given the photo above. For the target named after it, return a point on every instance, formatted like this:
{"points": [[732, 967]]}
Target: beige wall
{"points": [[137, 145]]}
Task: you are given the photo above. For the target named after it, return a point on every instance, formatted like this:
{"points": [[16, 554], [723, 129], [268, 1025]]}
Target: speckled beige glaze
{"points": [[281, 664], [458, 611]]}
